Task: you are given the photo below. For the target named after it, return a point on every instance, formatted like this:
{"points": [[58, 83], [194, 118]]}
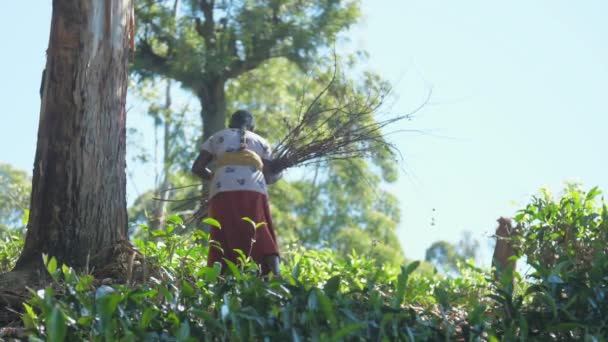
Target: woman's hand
{"points": [[271, 175], [199, 167], [207, 174]]}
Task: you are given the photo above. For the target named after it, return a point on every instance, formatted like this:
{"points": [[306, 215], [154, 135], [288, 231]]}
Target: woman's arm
{"points": [[199, 167]]}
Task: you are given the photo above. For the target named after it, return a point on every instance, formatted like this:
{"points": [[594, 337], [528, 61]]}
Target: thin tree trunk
{"points": [[212, 97], [78, 204], [160, 206]]}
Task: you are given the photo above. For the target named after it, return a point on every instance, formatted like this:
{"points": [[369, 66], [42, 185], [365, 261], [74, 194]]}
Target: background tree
{"points": [[315, 203], [445, 255], [78, 208], [273, 57], [15, 188], [175, 125]]}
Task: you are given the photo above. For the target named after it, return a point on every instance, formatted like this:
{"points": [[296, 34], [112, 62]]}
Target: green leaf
{"points": [[175, 219], [200, 235], [594, 192], [332, 285], [549, 300], [173, 319], [402, 282], [260, 224], [187, 289], [212, 222], [217, 245], [184, 332], [412, 267], [247, 219], [170, 228], [65, 269], [210, 274], [166, 293], [217, 267], [52, 266], [241, 256], [147, 316], [56, 328], [347, 330], [235, 270], [158, 233], [26, 217], [29, 318], [523, 328], [327, 308], [84, 282], [106, 307], [85, 321], [295, 272]]}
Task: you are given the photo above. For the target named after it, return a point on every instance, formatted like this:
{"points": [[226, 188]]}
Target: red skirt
{"points": [[229, 208]]}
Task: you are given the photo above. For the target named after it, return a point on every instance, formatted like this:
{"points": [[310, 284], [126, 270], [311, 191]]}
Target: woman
{"points": [[238, 188]]}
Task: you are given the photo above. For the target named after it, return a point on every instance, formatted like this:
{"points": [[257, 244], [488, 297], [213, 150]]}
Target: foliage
{"points": [[320, 297], [323, 296], [205, 39], [11, 245], [15, 189], [569, 232], [565, 240]]}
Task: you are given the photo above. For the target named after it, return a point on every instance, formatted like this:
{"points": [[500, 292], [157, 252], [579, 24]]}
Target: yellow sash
{"points": [[243, 157]]}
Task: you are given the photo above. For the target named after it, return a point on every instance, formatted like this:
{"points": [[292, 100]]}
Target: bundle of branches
{"points": [[340, 122]]}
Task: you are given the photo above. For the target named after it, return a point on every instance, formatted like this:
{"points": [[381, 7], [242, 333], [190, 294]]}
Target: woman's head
{"points": [[242, 119]]}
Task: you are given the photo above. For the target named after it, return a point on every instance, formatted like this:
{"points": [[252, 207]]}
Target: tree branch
{"points": [[153, 61], [239, 67], [206, 29]]}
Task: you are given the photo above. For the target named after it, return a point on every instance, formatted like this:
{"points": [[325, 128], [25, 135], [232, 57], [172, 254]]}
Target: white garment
{"points": [[237, 177]]}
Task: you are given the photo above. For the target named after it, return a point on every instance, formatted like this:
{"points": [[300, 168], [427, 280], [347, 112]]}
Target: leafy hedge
{"points": [[322, 297]]}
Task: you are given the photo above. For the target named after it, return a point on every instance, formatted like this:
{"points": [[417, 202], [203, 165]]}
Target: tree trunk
{"points": [[212, 97], [504, 250], [78, 204], [213, 106]]}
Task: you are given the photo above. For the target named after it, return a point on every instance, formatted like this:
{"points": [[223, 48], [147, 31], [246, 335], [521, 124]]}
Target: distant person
{"points": [[238, 189]]}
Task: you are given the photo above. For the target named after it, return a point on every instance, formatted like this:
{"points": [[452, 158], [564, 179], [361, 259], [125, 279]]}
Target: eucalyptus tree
{"points": [[78, 208]]}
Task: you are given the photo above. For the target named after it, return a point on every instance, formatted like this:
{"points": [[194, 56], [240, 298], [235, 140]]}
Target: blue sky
{"points": [[518, 102]]}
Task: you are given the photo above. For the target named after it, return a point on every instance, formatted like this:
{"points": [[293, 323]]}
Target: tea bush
{"points": [[323, 297]]}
